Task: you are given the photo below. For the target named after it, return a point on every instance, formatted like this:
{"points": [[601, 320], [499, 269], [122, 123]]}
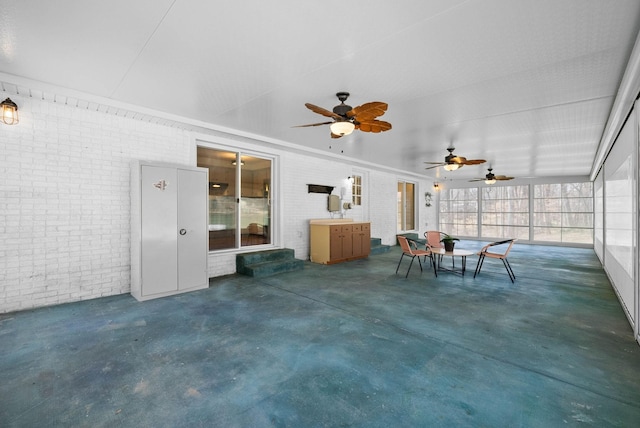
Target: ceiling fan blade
{"points": [[323, 111], [368, 111], [335, 135], [474, 161], [439, 164], [458, 159], [477, 179], [503, 177], [373, 125], [313, 124]]}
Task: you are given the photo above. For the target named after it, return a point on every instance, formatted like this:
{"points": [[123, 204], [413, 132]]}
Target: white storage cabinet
{"points": [[169, 229]]}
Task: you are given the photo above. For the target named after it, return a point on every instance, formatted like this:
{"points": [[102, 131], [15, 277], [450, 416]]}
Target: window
{"points": [[505, 212], [406, 206], [459, 211], [356, 189], [563, 212], [239, 194], [558, 212]]}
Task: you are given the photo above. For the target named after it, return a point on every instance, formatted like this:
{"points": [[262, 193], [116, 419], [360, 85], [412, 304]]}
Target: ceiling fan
{"points": [[453, 162], [347, 118], [491, 178]]}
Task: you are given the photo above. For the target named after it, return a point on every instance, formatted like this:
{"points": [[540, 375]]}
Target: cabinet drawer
{"points": [[357, 228], [336, 229], [348, 228]]}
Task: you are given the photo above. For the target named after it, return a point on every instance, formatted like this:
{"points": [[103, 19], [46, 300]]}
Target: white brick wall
{"points": [[64, 201], [298, 204], [65, 206]]}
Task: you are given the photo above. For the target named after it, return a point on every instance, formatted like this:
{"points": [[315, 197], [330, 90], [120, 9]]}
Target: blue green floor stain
{"points": [[351, 344]]}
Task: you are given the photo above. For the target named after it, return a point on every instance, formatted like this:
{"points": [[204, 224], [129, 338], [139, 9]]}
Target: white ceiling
{"points": [[527, 85]]}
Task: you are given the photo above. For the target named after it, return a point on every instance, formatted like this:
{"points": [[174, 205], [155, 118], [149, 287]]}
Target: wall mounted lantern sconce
{"points": [[436, 187], [351, 180], [236, 163], [9, 111]]}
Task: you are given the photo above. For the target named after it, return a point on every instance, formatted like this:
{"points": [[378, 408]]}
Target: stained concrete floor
{"points": [[344, 345]]}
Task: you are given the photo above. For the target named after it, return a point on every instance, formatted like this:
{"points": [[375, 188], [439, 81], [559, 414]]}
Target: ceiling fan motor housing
{"points": [[449, 158], [342, 108]]}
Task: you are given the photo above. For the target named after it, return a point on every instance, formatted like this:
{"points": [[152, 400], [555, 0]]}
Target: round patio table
{"points": [[455, 253]]}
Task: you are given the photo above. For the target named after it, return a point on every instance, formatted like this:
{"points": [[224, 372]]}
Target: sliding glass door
{"points": [[239, 198]]}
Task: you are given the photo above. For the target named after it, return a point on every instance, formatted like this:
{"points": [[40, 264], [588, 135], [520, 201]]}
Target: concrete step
{"points": [[254, 257], [268, 262], [377, 247]]}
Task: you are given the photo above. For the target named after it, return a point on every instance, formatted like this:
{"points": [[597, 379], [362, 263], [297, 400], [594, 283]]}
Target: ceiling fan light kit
{"points": [[342, 128]]}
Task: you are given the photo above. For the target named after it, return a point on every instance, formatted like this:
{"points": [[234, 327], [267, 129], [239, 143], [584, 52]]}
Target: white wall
{"points": [[64, 200]]}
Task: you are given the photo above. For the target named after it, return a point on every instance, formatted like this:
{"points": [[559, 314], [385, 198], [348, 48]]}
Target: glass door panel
{"points": [[255, 202], [222, 197]]}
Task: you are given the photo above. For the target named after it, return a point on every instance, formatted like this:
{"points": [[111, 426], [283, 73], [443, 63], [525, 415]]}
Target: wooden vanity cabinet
{"points": [[361, 238], [335, 241]]}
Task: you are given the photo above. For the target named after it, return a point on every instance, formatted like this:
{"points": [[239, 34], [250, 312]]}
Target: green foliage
{"points": [[448, 238]]}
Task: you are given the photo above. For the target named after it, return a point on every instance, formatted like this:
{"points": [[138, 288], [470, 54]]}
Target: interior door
{"points": [[192, 231]]}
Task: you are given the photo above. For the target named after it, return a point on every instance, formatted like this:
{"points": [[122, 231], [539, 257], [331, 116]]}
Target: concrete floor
{"points": [[344, 345]]}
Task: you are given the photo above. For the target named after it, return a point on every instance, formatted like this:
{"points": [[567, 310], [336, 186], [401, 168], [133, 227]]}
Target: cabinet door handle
{"points": [[183, 231]]}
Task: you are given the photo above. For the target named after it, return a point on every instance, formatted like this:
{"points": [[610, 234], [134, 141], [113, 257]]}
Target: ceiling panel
{"points": [[86, 46], [527, 85]]}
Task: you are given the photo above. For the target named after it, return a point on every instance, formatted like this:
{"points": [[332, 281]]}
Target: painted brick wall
{"points": [[65, 201], [299, 205]]}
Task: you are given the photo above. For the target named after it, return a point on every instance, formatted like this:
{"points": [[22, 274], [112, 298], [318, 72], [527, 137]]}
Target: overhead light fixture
{"points": [[451, 166], [217, 188], [342, 128], [9, 111], [491, 181]]}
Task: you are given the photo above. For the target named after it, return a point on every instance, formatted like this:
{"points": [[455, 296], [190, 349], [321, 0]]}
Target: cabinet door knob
{"points": [[183, 231]]}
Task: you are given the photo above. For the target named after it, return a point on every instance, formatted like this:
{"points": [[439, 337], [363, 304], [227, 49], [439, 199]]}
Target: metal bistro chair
{"points": [[433, 240], [410, 249], [484, 252]]}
